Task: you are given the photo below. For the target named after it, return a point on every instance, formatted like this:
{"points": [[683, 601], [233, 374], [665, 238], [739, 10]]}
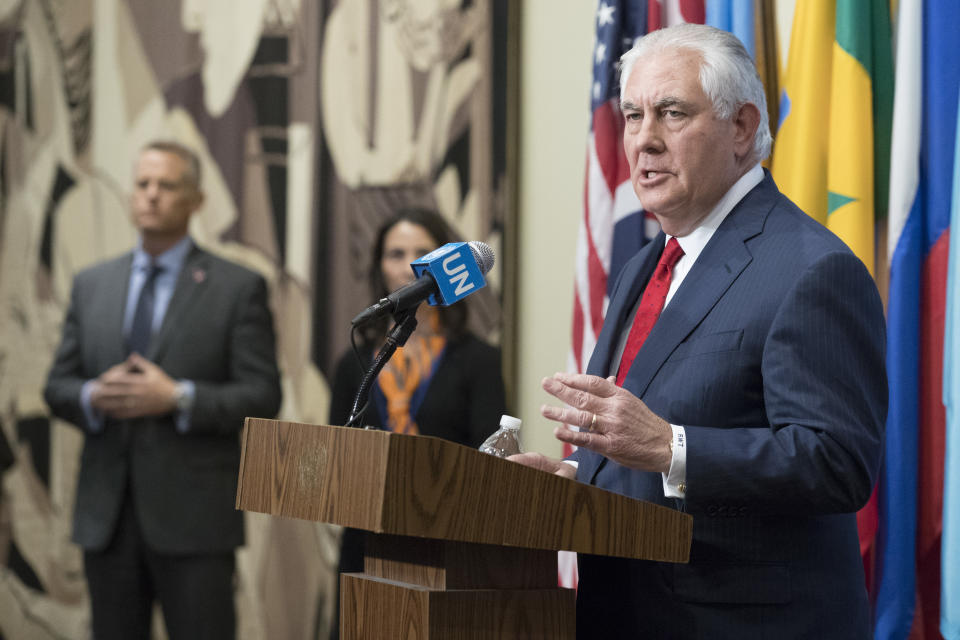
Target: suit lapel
{"points": [[190, 284], [717, 267], [633, 279]]}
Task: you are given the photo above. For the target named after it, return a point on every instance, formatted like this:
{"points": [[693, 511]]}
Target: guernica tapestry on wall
{"points": [[313, 121]]}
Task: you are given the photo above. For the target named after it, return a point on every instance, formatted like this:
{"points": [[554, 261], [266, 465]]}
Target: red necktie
{"points": [[651, 304]]}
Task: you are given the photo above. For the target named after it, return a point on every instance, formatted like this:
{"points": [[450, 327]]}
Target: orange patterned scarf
{"points": [[410, 368]]}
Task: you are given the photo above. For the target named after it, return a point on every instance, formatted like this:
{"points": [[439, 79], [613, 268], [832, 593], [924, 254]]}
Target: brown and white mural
{"points": [[314, 120]]}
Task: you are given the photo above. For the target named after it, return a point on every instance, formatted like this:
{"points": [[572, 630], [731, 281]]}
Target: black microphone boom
{"points": [[403, 298]]}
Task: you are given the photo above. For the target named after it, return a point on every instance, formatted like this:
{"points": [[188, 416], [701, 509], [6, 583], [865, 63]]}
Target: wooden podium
{"points": [[466, 543]]}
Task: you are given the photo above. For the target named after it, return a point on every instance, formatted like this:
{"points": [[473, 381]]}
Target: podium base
{"points": [[374, 608], [420, 589]]}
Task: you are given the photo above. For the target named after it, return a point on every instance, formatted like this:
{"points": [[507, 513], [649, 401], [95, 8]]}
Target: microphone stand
{"points": [[404, 324]]}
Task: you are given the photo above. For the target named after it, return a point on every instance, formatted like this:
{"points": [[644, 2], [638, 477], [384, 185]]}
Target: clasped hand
{"points": [[133, 389], [613, 422]]}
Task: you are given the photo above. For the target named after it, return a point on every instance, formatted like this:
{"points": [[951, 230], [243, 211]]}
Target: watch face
{"points": [[182, 398]]}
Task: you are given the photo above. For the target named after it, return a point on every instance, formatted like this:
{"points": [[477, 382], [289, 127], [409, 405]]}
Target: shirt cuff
{"points": [[93, 417], [675, 480], [186, 395]]}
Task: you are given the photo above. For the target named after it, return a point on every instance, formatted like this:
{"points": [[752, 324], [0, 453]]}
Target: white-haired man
{"points": [[739, 375]]}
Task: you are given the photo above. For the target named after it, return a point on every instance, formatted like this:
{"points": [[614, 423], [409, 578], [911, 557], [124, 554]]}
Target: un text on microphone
{"points": [[455, 271]]}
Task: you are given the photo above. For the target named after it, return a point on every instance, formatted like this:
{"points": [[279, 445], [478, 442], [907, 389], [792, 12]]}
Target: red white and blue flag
{"points": [[613, 227], [921, 177]]}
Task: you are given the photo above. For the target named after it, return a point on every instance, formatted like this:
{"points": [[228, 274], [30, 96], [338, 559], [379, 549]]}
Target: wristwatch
{"points": [[181, 398]]}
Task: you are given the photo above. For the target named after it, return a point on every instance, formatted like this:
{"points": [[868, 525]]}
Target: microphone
{"points": [[444, 276]]}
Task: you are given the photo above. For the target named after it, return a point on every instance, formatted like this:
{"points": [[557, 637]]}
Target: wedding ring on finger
{"points": [[593, 423]]}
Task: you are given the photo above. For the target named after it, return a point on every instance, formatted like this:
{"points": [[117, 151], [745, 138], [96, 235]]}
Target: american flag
{"points": [[613, 227]]}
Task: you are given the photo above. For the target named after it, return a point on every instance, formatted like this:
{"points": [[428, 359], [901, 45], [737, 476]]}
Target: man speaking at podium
{"points": [[739, 375]]}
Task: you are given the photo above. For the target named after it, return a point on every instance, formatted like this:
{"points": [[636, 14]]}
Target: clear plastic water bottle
{"points": [[505, 441]]}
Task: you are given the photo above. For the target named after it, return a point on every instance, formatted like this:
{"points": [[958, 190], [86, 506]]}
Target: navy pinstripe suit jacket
{"points": [[771, 355]]}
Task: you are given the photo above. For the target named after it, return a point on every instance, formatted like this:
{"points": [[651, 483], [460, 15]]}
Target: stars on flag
{"points": [[601, 54], [605, 14]]}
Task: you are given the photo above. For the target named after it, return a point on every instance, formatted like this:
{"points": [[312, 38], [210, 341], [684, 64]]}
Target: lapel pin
{"points": [[199, 275]]}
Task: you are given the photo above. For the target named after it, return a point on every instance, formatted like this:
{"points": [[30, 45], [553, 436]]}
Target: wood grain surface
{"points": [[427, 487]]}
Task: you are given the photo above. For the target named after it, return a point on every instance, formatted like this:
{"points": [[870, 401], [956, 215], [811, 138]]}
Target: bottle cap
{"points": [[509, 422]]}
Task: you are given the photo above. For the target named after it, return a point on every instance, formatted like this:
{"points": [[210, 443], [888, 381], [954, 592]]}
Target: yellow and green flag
{"points": [[800, 151], [861, 107], [832, 153]]}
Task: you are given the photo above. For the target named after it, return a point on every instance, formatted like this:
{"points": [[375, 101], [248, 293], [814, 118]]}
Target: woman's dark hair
{"points": [[453, 319]]}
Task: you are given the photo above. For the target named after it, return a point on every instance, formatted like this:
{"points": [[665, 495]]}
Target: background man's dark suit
{"points": [[161, 392], [218, 332], [771, 355]]}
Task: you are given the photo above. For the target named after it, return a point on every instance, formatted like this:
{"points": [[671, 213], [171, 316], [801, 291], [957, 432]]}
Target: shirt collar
{"points": [[694, 242], [171, 260]]}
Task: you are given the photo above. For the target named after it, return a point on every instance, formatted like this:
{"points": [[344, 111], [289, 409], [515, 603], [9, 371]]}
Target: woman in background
{"points": [[445, 382]]}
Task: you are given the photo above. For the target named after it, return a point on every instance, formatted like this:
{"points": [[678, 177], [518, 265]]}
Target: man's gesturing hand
{"points": [[613, 421]]}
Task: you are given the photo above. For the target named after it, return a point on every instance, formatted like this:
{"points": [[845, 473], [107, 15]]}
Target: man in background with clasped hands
{"points": [[165, 351]]}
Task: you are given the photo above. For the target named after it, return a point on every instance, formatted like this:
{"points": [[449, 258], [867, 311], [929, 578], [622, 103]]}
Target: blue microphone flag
{"points": [[455, 270]]}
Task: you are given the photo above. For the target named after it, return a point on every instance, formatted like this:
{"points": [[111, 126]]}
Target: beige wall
{"points": [[556, 42]]}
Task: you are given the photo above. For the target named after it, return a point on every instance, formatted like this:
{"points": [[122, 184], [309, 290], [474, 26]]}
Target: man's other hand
{"points": [[542, 462]]}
